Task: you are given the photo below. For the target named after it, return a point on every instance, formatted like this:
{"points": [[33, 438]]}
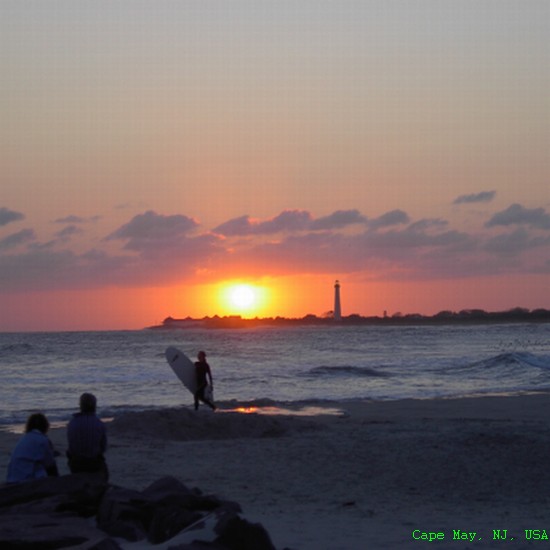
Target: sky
{"points": [[154, 154]]}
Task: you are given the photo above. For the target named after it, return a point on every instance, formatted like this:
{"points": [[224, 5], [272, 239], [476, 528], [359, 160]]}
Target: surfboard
{"points": [[183, 367]]}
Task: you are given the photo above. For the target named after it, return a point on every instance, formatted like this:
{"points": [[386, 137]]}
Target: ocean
{"points": [[275, 366]]}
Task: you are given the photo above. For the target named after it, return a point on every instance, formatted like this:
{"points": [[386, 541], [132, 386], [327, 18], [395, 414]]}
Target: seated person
{"points": [[87, 438], [33, 456]]}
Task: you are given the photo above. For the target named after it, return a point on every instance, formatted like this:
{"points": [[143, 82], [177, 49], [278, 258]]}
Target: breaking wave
{"points": [[346, 371], [515, 360]]}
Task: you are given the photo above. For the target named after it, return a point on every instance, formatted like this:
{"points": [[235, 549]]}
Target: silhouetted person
{"points": [[204, 376], [87, 437], [33, 456]]}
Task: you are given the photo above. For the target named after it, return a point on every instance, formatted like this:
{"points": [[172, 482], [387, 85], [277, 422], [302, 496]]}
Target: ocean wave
{"points": [[9, 349], [346, 371], [514, 360], [520, 359]]}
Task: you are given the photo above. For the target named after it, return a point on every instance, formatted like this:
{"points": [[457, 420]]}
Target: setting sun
{"points": [[243, 298]]}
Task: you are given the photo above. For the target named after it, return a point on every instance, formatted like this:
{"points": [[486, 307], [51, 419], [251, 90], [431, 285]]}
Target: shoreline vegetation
{"points": [[473, 316]]}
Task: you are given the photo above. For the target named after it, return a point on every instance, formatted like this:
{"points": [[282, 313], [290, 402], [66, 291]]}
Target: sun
{"points": [[238, 298], [242, 296]]}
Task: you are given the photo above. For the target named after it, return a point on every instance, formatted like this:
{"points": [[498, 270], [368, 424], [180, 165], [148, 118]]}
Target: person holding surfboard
{"points": [[204, 381]]}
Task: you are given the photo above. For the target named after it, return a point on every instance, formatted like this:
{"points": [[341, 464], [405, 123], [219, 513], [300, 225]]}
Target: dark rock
{"points": [[56, 513], [167, 522], [122, 514], [31, 531], [237, 533], [74, 490], [104, 544], [165, 487], [199, 545], [168, 491]]}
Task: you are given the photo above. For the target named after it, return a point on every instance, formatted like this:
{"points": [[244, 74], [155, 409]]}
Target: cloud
{"points": [[427, 224], [516, 214], [291, 221], [394, 217], [484, 196], [242, 225], [165, 247], [72, 220], [8, 216], [288, 220], [16, 239], [157, 249], [514, 243], [68, 232], [338, 219], [152, 229], [400, 250]]}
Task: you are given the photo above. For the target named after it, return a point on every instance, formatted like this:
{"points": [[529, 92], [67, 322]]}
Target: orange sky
{"points": [[151, 156]]}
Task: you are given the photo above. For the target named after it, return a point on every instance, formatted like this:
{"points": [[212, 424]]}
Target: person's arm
{"points": [[103, 440], [48, 457]]}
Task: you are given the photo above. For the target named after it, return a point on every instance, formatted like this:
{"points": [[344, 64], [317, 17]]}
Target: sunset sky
{"points": [[156, 153]]}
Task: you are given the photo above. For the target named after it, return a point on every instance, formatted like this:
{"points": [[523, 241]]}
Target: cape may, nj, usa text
{"points": [[474, 536]]}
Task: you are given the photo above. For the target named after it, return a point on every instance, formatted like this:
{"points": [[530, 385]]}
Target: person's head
{"points": [[201, 356], [88, 403], [37, 421]]}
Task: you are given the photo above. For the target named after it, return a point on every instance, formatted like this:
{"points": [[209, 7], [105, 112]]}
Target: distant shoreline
{"points": [[473, 316]]}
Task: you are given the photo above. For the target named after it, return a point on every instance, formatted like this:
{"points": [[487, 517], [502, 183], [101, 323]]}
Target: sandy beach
{"points": [[370, 475]]}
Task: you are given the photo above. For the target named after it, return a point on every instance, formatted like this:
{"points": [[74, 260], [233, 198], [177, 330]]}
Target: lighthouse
{"points": [[337, 306]]}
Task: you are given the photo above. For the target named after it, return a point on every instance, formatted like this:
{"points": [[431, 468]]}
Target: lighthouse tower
{"points": [[337, 306]]}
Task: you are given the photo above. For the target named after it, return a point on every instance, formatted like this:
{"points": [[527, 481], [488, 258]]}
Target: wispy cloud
{"points": [[395, 217], [68, 232], [155, 249], [516, 214], [515, 242], [76, 220], [338, 220], [17, 239], [152, 229], [288, 220], [484, 196], [8, 216]]}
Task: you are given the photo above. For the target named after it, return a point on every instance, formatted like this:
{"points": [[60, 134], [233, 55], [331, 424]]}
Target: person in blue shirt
{"points": [[33, 456], [87, 438]]}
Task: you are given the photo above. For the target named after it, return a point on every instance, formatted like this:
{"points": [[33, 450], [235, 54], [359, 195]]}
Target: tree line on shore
{"points": [[514, 315]]}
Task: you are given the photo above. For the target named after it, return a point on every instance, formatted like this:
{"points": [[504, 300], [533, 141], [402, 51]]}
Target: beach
{"points": [[355, 474]]}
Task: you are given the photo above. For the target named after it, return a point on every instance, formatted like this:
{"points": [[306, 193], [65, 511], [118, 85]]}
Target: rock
{"points": [[84, 512], [170, 491], [168, 521], [72, 491], [121, 514], [44, 530], [236, 533]]}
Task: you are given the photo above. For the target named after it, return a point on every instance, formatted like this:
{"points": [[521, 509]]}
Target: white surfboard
{"points": [[183, 367]]}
